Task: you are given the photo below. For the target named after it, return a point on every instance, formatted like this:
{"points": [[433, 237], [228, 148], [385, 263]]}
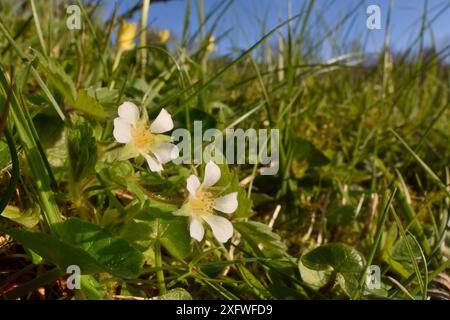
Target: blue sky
{"points": [[243, 21]]}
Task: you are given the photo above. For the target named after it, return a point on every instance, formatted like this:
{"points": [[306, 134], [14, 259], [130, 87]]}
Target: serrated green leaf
{"points": [[106, 97], [82, 150], [84, 244], [88, 105], [256, 234], [119, 173], [57, 78], [157, 223], [115, 254]]}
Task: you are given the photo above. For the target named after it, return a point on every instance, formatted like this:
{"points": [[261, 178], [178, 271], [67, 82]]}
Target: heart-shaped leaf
{"points": [[340, 258]]}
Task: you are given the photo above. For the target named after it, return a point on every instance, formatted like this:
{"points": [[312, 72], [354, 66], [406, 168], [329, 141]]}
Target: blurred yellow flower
{"points": [[211, 44], [163, 35], [126, 35]]}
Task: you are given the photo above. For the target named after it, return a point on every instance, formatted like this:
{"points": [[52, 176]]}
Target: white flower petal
{"points": [[162, 123], [196, 229], [129, 112], [192, 185], [175, 152], [227, 204], [153, 163], [221, 227], [212, 174], [164, 152], [122, 130]]}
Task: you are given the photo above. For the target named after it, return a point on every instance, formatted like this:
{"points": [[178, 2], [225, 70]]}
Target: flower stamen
{"points": [[202, 204], [142, 137]]}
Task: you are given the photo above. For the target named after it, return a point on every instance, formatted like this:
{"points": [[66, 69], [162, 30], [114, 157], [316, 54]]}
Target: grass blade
{"points": [[34, 158], [427, 169]]}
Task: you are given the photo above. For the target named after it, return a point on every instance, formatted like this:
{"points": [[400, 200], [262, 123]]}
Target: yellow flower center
{"points": [[142, 137], [202, 204]]}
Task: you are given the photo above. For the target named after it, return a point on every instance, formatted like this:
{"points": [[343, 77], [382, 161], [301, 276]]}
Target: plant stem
{"points": [[115, 65], [143, 35], [159, 272]]}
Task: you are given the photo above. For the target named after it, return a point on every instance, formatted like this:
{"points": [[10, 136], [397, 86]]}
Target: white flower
{"points": [[201, 204], [146, 139]]}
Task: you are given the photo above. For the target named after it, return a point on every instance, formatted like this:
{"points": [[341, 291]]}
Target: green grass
{"points": [[364, 162]]}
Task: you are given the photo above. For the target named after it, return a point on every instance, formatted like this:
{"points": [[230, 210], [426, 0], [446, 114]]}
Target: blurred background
{"points": [[239, 24]]}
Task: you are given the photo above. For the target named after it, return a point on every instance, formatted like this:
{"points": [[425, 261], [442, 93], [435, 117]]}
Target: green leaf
{"points": [[175, 294], [128, 151], [52, 134], [314, 278], [90, 288], [254, 284], [136, 191], [106, 97], [113, 253], [34, 257], [157, 223], [57, 78], [28, 218], [84, 244], [82, 150], [56, 251], [245, 204], [89, 106], [340, 258], [119, 173], [256, 234], [400, 252]]}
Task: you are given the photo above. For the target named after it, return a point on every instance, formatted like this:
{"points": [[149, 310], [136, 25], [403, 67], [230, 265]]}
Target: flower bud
{"points": [[126, 35]]}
